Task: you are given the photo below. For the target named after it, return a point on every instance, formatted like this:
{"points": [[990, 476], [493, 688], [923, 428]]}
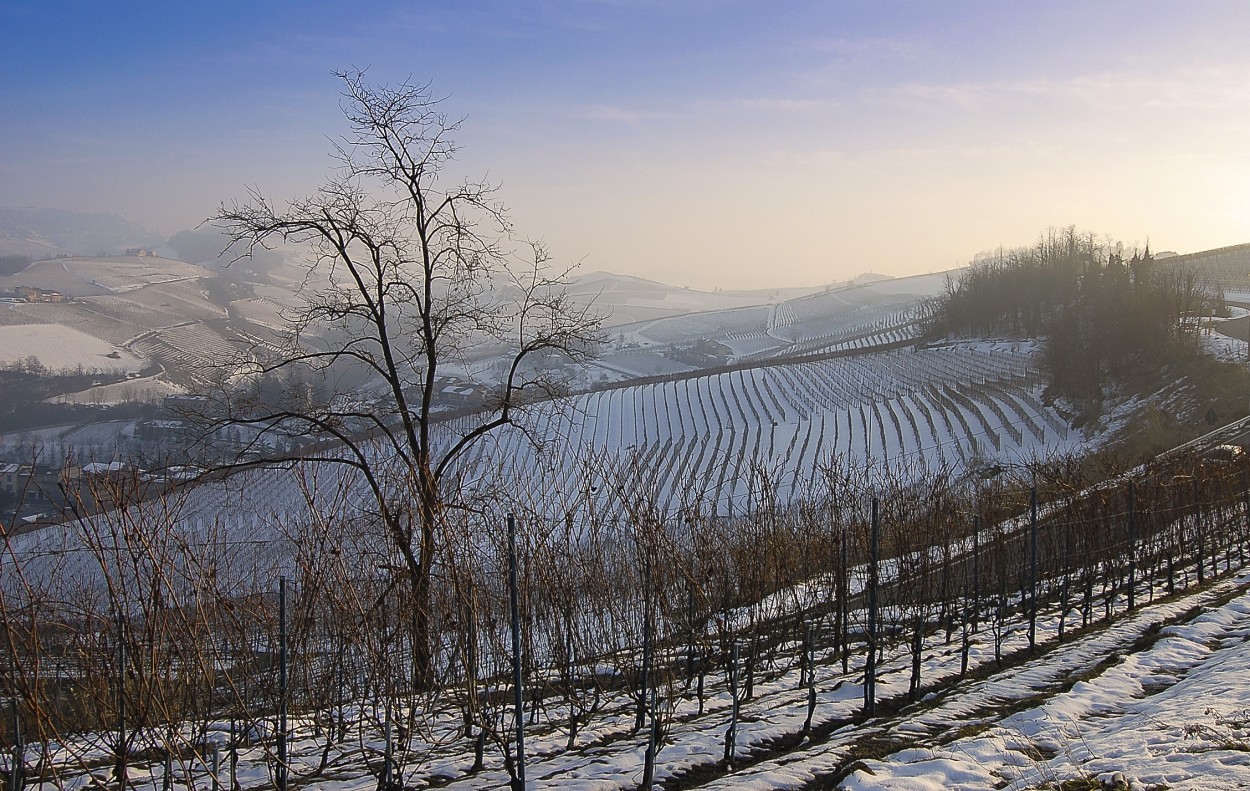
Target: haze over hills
{"points": [[180, 316], [760, 372], [43, 233], [152, 325]]}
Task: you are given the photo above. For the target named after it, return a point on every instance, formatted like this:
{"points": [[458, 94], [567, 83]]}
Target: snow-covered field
{"points": [[61, 348], [708, 439], [702, 438], [91, 442], [147, 390], [1222, 341], [156, 308], [80, 277]]}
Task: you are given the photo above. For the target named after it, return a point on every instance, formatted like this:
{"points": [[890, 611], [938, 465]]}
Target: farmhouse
{"points": [[101, 469], [35, 487], [12, 477], [32, 294]]}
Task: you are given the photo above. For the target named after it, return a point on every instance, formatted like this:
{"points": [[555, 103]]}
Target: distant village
{"points": [[32, 495], [38, 494], [32, 294]]}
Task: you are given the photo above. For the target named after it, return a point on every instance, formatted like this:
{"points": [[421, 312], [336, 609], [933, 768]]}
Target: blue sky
{"points": [[713, 143]]}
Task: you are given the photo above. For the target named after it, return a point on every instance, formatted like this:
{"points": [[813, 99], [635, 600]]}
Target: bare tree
{"points": [[411, 275]]}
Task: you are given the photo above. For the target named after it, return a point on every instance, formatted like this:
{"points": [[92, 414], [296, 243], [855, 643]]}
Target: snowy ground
{"points": [[1171, 716], [90, 442], [150, 390], [1225, 339]]}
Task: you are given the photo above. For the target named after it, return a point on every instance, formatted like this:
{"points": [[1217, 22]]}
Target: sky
{"points": [[708, 143]]}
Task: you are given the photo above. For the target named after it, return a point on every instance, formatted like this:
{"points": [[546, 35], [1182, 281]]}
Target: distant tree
{"points": [[208, 246], [32, 365], [411, 274], [198, 246], [1099, 318]]}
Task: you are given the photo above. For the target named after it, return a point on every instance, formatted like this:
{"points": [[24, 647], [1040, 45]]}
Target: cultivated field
{"points": [[706, 439], [62, 348], [84, 277]]}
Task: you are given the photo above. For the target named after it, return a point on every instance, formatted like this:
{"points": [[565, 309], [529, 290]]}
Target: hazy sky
{"points": [[712, 143]]}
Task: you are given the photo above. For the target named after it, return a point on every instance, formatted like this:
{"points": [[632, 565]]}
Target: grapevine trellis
{"points": [[958, 405], [151, 647]]}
